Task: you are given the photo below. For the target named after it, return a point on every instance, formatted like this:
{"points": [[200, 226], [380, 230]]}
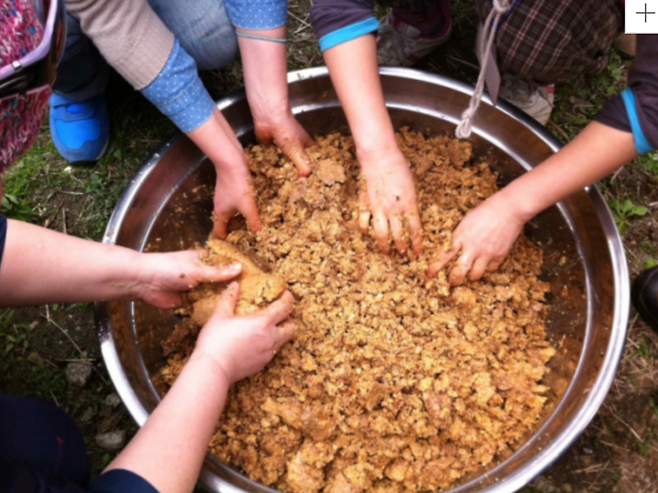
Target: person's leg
{"points": [[626, 45], [39, 435], [202, 28], [412, 30], [79, 122], [645, 296], [82, 72]]}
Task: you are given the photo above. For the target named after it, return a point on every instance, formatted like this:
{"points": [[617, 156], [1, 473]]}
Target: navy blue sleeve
{"points": [[21, 478], [338, 21], [3, 235], [636, 109], [121, 481]]}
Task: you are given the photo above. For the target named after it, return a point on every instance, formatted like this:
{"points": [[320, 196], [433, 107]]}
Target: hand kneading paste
{"points": [[395, 383]]}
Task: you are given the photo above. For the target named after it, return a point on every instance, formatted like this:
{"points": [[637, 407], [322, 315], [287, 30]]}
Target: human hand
{"points": [[162, 276], [390, 199], [233, 189], [288, 135], [234, 193], [243, 345], [482, 240]]}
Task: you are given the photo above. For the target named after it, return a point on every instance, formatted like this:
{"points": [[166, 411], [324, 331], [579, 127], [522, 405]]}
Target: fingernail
{"points": [[234, 267], [233, 285]]}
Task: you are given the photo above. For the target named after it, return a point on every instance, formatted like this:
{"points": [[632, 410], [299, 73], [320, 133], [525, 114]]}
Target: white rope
{"points": [[500, 7]]}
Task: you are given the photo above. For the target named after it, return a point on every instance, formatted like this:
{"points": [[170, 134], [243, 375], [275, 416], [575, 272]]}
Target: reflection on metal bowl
{"points": [[584, 261]]}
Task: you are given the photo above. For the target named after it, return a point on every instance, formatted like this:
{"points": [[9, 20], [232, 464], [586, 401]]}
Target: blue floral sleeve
{"points": [[178, 92], [257, 14]]}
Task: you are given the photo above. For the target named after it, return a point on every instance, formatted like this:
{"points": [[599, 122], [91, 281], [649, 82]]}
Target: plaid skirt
{"points": [[548, 41]]}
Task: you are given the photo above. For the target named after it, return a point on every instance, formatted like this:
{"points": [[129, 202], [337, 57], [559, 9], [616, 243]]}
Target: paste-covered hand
{"points": [[389, 199], [289, 136], [481, 241], [234, 193], [243, 345], [164, 275]]}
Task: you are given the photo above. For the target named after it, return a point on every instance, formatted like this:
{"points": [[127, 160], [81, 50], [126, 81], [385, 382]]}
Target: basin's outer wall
{"points": [[156, 209]]}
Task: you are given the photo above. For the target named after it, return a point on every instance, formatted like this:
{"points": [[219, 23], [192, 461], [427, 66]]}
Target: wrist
{"points": [[216, 140], [375, 139], [373, 153], [375, 159], [142, 270], [129, 274], [510, 204], [228, 158], [211, 365], [269, 113], [228, 164]]}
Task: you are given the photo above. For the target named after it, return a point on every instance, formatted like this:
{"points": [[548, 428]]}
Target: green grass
{"points": [[644, 349], [34, 181], [31, 375], [13, 336], [41, 183], [579, 100], [649, 162], [14, 208], [624, 211], [648, 440]]}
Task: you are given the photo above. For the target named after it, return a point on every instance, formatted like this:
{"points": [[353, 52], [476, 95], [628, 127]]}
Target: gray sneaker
{"points": [[402, 44], [536, 101]]}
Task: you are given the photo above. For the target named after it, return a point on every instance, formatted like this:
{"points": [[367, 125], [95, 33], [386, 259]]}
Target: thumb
{"points": [[210, 273], [227, 301], [279, 310]]}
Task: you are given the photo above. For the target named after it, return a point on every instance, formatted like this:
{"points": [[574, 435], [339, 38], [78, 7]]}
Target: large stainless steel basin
{"points": [[584, 261]]}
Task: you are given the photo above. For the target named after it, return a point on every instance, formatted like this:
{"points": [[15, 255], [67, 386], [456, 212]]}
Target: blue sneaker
{"points": [[80, 130]]}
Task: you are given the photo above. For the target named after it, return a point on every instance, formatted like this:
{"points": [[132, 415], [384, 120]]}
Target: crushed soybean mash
{"points": [[394, 383]]}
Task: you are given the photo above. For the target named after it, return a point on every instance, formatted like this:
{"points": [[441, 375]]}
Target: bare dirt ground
{"points": [[617, 453]]}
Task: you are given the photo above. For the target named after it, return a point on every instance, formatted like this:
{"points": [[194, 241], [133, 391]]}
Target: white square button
{"points": [[641, 17]]}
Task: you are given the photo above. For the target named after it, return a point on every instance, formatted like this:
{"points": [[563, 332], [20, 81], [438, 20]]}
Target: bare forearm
{"points": [[595, 153], [218, 141], [265, 72], [354, 73], [169, 449], [43, 266]]}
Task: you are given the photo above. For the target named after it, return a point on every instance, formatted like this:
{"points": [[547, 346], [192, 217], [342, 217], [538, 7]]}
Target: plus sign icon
{"points": [[641, 17]]}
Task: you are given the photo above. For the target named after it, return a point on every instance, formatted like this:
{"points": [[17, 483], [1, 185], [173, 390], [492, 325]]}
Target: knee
{"points": [[213, 48]]}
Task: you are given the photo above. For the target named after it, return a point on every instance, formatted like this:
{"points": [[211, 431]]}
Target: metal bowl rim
{"points": [[604, 379]]}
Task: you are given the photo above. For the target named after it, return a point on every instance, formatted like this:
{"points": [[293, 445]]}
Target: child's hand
{"points": [[482, 240], [234, 193], [390, 199], [289, 136], [242, 346], [163, 276]]}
